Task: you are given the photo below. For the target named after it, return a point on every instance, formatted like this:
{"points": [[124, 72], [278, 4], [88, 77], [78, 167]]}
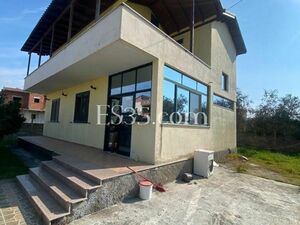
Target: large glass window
{"points": [[82, 107], [185, 98], [134, 86], [224, 102], [55, 110]]}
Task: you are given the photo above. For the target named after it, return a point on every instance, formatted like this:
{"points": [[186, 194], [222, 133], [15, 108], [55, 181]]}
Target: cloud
{"points": [[22, 15], [12, 77]]}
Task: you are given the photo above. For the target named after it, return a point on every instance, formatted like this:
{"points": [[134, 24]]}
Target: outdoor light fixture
{"points": [[93, 87], [64, 94]]}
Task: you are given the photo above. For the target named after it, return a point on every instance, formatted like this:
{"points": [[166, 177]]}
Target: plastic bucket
{"points": [[145, 189]]}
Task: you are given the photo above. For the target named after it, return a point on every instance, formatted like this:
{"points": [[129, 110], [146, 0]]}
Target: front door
{"points": [[118, 131]]}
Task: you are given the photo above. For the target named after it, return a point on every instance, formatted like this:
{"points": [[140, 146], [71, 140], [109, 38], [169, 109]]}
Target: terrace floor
{"points": [[96, 162]]}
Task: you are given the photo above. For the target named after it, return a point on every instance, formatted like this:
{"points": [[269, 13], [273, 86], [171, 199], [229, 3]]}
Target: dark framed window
{"points": [[81, 113], [225, 84], [55, 110], [223, 102], [36, 100], [136, 82], [185, 96], [17, 99]]}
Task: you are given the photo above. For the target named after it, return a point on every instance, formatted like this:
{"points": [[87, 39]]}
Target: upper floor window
{"points": [[82, 107], [55, 110], [17, 99], [224, 82], [223, 102], [185, 100], [36, 99]]}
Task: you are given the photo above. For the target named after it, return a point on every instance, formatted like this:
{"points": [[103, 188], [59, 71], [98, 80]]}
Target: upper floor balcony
{"points": [[84, 40]]}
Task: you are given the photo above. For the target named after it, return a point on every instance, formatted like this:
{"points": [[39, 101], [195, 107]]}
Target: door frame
{"points": [[133, 93]]}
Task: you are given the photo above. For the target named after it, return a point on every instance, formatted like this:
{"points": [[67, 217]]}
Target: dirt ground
{"points": [[225, 198]]}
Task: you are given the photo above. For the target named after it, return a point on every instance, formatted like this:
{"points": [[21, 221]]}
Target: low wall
{"points": [[117, 189]]}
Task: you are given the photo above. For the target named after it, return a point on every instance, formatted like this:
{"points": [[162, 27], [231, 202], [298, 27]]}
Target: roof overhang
{"points": [[173, 15]]}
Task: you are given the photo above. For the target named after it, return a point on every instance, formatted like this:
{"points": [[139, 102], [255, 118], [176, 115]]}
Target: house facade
{"points": [[32, 104], [170, 67]]}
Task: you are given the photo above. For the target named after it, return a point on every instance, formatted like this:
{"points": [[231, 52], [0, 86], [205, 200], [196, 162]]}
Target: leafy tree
{"points": [[10, 118], [242, 109]]}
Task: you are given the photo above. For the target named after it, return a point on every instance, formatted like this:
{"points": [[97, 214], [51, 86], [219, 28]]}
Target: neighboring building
{"points": [[32, 104], [154, 56]]}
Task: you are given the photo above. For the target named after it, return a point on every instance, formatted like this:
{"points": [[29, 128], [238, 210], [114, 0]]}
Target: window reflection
{"points": [[168, 99], [116, 82], [144, 78], [188, 95], [128, 82], [143, 106]]}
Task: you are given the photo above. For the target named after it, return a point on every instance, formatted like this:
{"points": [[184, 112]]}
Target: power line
{"points": [[235, 4]]}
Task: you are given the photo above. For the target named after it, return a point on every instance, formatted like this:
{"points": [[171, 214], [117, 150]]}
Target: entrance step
{"points": [[46, 206], [70, 177], [64, 194], [78, 166]]}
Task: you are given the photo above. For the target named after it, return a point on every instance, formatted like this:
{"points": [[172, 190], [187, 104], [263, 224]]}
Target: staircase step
{"points": [[64, 194], [78, 166], [72, 178], [45, 205]]}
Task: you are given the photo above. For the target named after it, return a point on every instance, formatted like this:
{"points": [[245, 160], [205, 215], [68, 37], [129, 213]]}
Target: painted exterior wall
{"points": [[39, 116], [155, 143]]}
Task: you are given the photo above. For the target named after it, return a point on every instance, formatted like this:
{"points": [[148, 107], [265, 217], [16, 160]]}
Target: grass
{"points": [[287, 165], [10, 165]]}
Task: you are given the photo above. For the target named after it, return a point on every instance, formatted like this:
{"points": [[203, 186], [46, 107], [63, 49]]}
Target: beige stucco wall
{"points": [[155, 143], [89, 134]]}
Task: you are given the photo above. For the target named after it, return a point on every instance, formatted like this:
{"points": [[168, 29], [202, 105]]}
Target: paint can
{"points": [[145, 189]]}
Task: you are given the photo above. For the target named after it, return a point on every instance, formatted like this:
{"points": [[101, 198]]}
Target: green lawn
{"points": [[286, 165], [10, 165]]}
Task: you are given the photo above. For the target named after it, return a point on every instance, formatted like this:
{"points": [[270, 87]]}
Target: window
{"points": [[184, 96], [17, 99], [134, 86], [144, 76], [82, 107], [55, 110], [223, 102], [128, 82], [116, 83], [36, 99], [143, 106], [224, 82]]}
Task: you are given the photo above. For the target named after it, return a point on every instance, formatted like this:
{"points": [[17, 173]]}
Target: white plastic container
{"points": [[146, 188]]}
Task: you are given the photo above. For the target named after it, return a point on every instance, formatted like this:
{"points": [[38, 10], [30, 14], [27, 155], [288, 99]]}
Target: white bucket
{"points": [[145, 189]]}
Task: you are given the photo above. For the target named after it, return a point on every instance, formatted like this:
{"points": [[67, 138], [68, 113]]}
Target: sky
{"points": [[271, 30]]}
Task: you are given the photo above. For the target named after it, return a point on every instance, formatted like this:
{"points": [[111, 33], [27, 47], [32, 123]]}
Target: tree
{"points": [[10, 118], [242, 110]]}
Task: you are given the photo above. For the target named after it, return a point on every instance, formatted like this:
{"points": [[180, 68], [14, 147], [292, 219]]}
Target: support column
{"points": [[192, 33], [40, 54], [52, 40], [29, 61], [98, 8], [70, 21]]}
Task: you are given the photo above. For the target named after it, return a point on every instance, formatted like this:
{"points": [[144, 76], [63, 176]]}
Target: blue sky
{"points": [[270, 29]]}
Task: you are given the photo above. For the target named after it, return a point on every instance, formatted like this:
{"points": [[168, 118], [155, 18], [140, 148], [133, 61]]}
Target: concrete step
{"points": [[46, 206], [71, 178], [78, 166], [64, 194]]}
